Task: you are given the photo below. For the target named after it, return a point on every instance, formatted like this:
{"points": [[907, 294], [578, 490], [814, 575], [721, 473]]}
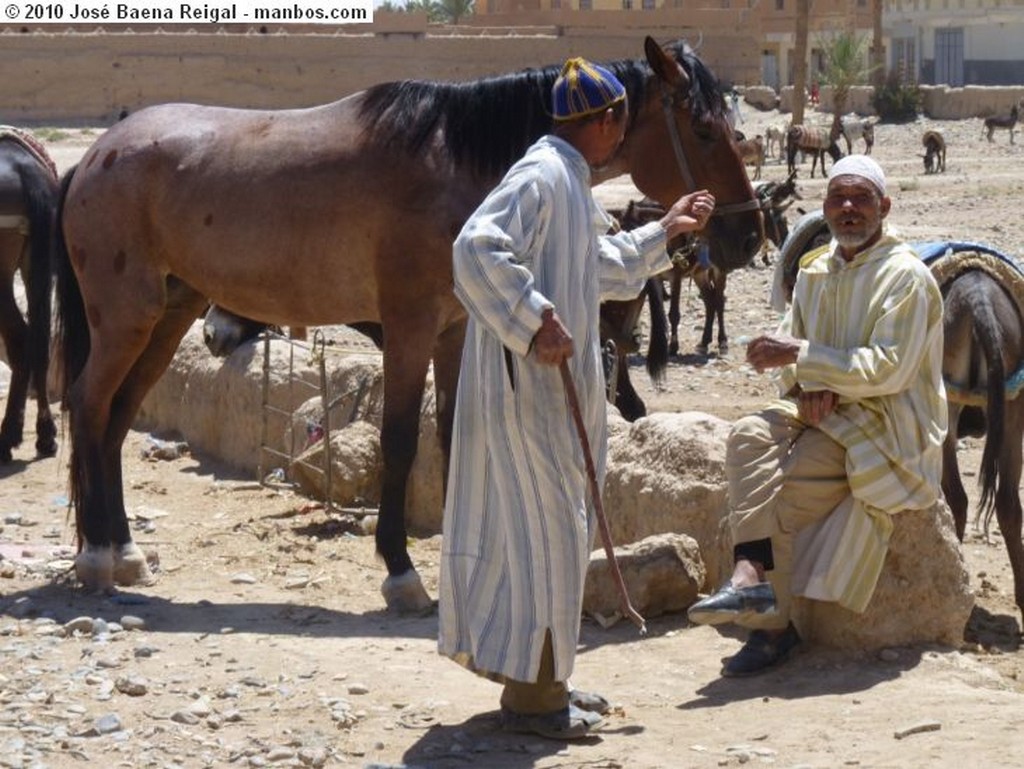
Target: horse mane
{"points": [[487, 124]]}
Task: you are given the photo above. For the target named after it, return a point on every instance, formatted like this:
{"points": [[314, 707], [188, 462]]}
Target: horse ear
{"points": [[665, 67]]}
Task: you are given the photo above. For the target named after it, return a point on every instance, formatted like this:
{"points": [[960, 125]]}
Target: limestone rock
{"points": [[923, 595], [663, 574], [666, 473], [217, 406], [355, 458]]}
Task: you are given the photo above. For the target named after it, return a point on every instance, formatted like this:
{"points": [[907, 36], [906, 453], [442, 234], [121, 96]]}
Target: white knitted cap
{"points": [[862, 166]]}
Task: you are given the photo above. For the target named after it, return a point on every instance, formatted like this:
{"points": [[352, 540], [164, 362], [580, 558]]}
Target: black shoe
{"points": [[761, 651], [730, 603]]}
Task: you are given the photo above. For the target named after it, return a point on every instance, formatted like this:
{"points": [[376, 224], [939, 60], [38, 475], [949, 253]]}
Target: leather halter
{"points": [[684, 167]]}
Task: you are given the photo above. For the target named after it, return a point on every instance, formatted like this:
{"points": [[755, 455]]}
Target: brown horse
{"points": [[28, 203], [335, 214]]}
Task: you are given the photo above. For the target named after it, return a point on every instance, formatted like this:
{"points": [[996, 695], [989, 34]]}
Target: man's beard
{"points": [[853, 239]]}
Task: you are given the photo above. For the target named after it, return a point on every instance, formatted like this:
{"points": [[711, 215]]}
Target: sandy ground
{"points": [[264, 641]]}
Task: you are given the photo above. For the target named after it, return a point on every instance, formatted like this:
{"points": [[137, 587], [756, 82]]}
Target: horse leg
{"points": [[673, 311], [627, 399], [703, 281], [447, 357], [120, 333], [406, 359], [1008, 507], [952, 485], [718, 299], [95, 461], [184, 305], [39, 286], [14, 331]]}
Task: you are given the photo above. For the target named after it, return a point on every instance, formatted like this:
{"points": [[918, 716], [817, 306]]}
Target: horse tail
{"points": [[72, 324], [657, 347], [986, 329], [42, 204]]}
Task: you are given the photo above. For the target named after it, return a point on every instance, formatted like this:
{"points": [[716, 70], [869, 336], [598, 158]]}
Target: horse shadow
{"points": [[16, 466], [61, 601]]}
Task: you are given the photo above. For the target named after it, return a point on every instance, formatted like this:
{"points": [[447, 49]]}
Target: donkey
{"points": [[1002, 121], [813, 140], [752, 152], [934, 152], [775, 142], [855, 128]]}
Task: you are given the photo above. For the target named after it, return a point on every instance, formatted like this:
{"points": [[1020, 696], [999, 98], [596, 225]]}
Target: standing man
{"points": [[815, 479], [532, 265]]}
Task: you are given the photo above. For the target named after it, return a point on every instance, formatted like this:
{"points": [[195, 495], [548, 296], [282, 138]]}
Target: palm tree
{"points": [[803, 13], [877, 51], [845, 67], [450, 11]]}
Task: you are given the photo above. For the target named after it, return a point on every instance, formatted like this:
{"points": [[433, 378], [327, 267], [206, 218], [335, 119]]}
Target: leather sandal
{"points": [[569, 723], [589, 701]]}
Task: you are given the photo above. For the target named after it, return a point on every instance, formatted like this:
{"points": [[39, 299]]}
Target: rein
{"points": [[684, 167]]}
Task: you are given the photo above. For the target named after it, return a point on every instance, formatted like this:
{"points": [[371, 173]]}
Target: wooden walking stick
{"points": [[595, 492]]}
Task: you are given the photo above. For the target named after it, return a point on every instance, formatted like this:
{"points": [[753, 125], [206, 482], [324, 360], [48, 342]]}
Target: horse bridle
{"points": [[725, 209]]}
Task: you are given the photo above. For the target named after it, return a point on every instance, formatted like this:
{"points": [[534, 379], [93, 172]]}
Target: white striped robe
{"points": [[518, 522], [874, 326]]}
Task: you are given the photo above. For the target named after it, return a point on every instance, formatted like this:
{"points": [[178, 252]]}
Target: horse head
{"points": [[682, 117]]}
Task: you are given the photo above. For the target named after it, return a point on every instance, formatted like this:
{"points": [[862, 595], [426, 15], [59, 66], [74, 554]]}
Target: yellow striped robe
{"points": [[873, 335]]}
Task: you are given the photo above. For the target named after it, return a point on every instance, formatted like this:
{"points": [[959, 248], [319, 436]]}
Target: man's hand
{"points": [[689, 213], [772, 351], [815, 406], [552, 343]]}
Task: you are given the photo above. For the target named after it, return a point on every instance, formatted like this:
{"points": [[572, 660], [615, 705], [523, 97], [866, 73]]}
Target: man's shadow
{"points": [[480, 741]]}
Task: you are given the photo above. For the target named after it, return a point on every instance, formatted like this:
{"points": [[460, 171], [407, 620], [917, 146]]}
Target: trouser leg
{"points": [[782, 477], [546, 695]]}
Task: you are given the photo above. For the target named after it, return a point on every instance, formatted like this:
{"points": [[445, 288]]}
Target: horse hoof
{"points": [[46, 448], [94, 567], [405, 594], [130, 566]]}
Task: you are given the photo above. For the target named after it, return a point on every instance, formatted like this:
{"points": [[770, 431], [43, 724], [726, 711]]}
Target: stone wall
{"points": [[81, 76]]}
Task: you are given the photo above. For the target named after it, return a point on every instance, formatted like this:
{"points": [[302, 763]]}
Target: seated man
{"points": [[856, 437]]}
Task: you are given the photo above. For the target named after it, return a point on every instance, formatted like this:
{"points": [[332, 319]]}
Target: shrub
{"points": [[896, 101]]}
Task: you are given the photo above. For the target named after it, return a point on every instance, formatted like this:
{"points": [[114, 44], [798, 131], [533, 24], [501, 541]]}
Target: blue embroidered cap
{"points": [[584, 88]]}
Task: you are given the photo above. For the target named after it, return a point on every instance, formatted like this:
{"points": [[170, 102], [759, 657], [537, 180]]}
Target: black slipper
{"points": [[762, 650], [731, 603]]}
